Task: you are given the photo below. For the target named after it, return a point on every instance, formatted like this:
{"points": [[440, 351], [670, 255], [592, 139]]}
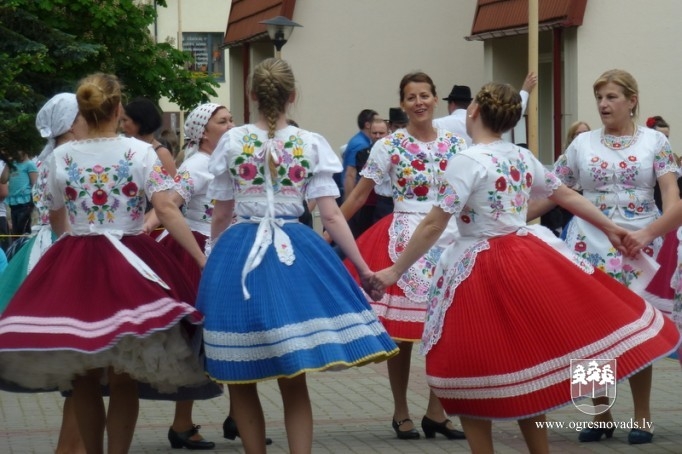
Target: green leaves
{"points": [[47, 46]]}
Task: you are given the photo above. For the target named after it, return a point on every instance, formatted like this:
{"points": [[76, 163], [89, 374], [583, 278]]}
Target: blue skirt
{"points": [[307, 316]]}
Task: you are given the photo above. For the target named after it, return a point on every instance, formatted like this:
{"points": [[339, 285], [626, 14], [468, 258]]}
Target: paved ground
{"points": [[352, 412]]}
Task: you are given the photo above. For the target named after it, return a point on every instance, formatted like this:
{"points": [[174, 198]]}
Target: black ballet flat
{"points": [[592, 434], [179, 440], [231, 432], [430, 427], [411, 434], [639, 437]]}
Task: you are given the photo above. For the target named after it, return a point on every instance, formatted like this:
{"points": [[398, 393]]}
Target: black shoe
{"points": [[639, 437], [411, 434], [179, 440], [430, 427], [591, 434], [231, 432]]}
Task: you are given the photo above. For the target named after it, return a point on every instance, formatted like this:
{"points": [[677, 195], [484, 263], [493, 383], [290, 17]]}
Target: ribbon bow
{"points": [[269, 227]]}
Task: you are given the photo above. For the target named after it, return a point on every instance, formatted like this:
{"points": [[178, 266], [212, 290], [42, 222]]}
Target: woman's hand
{"points": [[635, 241], [372, 286]]}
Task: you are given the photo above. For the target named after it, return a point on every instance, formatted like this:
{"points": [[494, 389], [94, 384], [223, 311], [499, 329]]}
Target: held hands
{"points": [[635, 241], [375, 284]]}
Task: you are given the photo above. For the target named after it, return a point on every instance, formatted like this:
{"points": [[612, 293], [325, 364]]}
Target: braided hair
{"points": [[272, 84], [500, 106]]}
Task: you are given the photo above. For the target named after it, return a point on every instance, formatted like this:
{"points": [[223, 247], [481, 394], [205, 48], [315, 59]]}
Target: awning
{"points": [[243, 24], [498, 18]]}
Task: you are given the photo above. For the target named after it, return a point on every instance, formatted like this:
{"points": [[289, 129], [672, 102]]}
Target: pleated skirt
{"points": [[307, 316], [402, 317], [514, 324], [84, 306], [660, 291]]}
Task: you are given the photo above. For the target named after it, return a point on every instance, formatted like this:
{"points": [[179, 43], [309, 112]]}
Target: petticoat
{"points": [[85, 306]]}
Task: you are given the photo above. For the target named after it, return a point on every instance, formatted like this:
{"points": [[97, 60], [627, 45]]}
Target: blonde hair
{"points": [[272, 83], [98, 96], [500, 106], [573, 131], [624, 80]]}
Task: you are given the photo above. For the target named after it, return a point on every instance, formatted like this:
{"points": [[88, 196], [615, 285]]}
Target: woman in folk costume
{"points": [[278, 301], [57, 121], [204, 127], [412, 160], [120, 322], [504, 322], [617, 167]]}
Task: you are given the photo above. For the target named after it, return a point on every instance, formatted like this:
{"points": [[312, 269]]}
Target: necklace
{"points": [[618, 142]]}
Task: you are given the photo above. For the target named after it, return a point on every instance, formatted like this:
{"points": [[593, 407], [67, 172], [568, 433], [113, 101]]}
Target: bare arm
{"points": [[670, 192], [424, 237], [151, 220], [580, 206], [338, 229], [172, 219], [59, 222], [221, 218], [357, 198], [671, 219], [349, 180], [33, 177], [4, 191], [538, 207]]}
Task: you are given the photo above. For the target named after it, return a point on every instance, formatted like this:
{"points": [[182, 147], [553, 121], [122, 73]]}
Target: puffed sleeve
{"points": [[460, 178], [327, 163], [378, 163], [53, 199], [566, 167], [157, 178], [222, 186], [544, 182], [664, 161], [185, 184]]}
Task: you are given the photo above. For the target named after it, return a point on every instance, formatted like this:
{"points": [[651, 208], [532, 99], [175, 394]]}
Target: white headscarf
{"points": [[196, 124], [55, 118]]}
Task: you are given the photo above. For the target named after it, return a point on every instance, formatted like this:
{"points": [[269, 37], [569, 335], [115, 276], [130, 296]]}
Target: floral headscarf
{"points": [[196, 124]]}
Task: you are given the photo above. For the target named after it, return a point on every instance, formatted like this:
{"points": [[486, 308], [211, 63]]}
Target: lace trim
{"points": [[442, 293], [416, 280]]}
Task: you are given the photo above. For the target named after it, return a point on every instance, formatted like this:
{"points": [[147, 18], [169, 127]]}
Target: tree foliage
{"points": [[47, 46]]}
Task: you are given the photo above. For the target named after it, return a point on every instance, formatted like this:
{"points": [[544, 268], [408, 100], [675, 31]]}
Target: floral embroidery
{"points": [[416, 170], [293, 170], [100, 191], [39, 194], [515, 180], [612, 264]]}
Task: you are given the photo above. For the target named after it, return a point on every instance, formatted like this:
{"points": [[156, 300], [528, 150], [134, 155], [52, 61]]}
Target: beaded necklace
{"points": [[618, 142]]}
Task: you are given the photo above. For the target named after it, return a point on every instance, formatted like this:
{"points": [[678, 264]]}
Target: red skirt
{"points": [[402, 318], [519, 318], [659, 292], [85, 306], [188, 266]]}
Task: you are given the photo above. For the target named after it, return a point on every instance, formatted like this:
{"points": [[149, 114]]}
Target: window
{"points": [[207, 56]]}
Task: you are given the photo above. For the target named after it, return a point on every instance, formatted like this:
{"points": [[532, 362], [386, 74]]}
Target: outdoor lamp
{"points": [[279, 30]]}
